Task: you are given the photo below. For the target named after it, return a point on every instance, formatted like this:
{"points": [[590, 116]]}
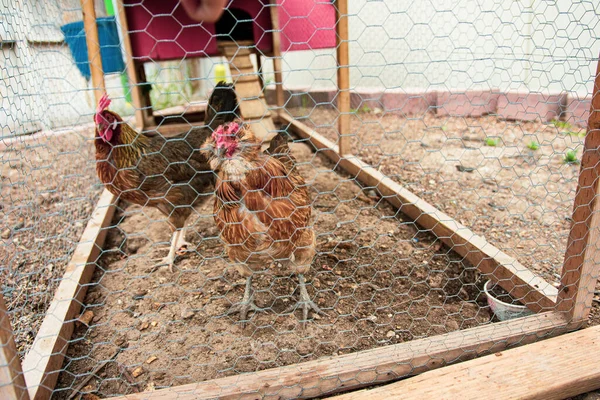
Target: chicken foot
{"points": [[305, 303], [169, 260], [182, 245], [247, 303]]}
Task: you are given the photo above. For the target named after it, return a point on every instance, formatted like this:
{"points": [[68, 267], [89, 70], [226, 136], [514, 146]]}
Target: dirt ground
{"points": [[379, 277], [519, 199], [48, 189]]}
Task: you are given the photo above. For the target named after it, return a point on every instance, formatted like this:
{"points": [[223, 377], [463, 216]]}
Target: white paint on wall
{"points": [[532, 45]]}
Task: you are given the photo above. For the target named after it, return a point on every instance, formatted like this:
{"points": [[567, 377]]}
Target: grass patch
{"points": [[492, 142], [533, 145], [570, 157]]}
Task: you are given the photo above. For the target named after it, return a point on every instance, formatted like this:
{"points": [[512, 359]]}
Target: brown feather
{"points": [[150, 170], [265, 215]]}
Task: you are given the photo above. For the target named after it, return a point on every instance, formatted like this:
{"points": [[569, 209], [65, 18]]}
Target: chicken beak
{"points": [[221, 152]]}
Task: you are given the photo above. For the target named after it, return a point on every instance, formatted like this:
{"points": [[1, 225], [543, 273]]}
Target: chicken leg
{"points": [[305, 303], [169, 260], [247, 303], [182, 245]]}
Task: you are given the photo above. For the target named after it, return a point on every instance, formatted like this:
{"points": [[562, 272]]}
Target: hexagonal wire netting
{"points": [[475, 111]]}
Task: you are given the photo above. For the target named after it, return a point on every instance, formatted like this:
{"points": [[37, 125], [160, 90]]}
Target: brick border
{"points": [[518, 106]]}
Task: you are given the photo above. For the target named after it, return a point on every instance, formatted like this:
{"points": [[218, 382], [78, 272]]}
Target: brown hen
{"points": [[149, 169], [262, 209]]}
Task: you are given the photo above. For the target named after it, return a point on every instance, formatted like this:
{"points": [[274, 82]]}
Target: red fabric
{"points": [[160, 30], [306, 24]]}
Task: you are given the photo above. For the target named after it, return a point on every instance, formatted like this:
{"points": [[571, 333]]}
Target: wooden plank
{"points": [[12, 381], [534, 291], [552, 369], [169, 130], [198, 107], [343, 77], [581, 267], [277, 57], [253, 105], [364, 368], [44, 361], [143, 118], [93, 46]]}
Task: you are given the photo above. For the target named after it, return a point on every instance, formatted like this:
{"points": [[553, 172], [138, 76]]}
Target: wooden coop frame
{"points": [[557, 310]]}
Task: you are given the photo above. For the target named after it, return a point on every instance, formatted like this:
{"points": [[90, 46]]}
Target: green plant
{"points": [[570, 157], [533, 145], [561, 124], [363, 109], [568, 129], [492, 142], [170, 86], [304, 100], [269, 79]]}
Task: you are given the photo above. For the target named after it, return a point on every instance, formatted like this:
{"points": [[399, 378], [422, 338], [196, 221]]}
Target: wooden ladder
{"points": [[248, 86]]}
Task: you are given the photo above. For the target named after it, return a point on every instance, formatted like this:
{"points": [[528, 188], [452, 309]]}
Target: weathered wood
{"points": [[93, 47], [253, 106], [43, 362], [182, 110], [12, 381], [343, 77], [364, 368], [143, 112], [581, 267], [194, 69], [171, 129], [277, 57], [533, 291], [552, 369]]}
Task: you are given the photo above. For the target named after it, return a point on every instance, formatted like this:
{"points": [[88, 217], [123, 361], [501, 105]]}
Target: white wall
{"points": [[535, 45], [40, 86]]}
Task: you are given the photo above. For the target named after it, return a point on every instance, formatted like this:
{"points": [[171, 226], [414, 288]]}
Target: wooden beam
{"points": [[12, 381], [44, 361], [93, 47], [534, 291], [351, 371], [253, 106], [343, 77], [143, 112], [552, 369], [277, 57], [581, 267]]}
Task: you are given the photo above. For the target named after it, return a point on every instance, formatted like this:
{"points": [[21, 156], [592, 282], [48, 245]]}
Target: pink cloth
{"points": [[161, 30]]}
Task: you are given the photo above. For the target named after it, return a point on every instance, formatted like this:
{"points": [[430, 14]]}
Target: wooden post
{"points": [[12, 380], [280, 98], [194, 71], [582, 258], [343, 76], [93, 46], [141, 101]]}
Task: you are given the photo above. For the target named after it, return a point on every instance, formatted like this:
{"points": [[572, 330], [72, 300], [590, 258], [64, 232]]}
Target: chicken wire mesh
{"points": [[478, 108]]}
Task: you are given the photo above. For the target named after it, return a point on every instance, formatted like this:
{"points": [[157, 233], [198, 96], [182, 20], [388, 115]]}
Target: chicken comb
{"points": [[223, 131], [103, 103]]}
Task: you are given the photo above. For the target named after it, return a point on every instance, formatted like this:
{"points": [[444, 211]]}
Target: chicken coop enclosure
{"points": [[449, 151]]}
